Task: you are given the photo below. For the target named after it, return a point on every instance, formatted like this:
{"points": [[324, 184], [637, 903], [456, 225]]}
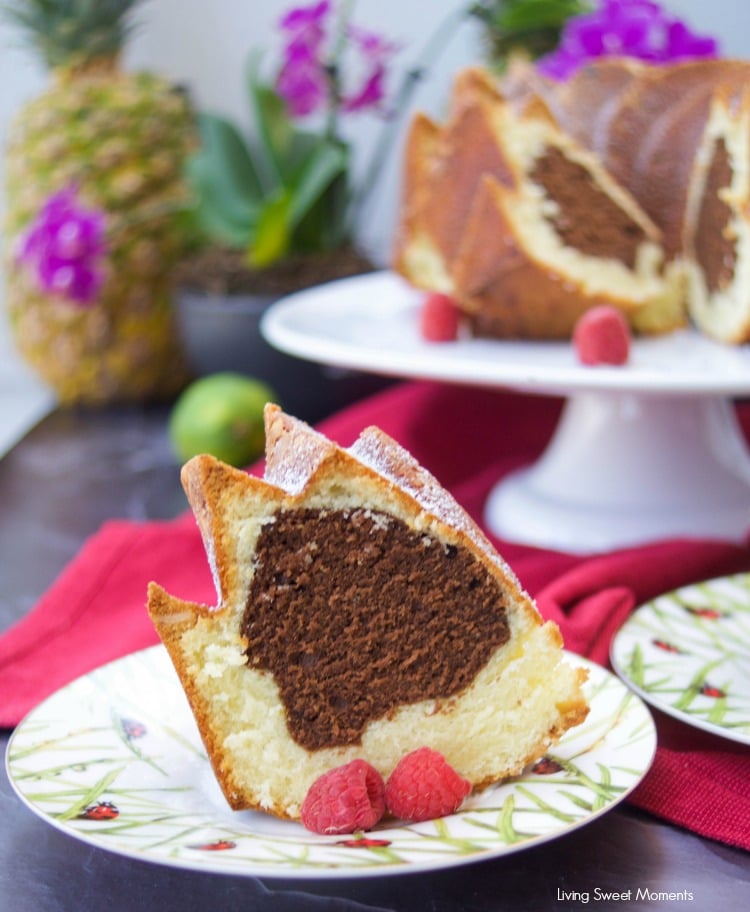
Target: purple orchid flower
{"points": [[376, 53], [306, 19], [628, 28], [305, 80], [302, 81], [63, 247]]}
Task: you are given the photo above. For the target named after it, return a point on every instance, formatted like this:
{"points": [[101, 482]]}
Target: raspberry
{"points": [[345, 799], [424, 786], [602, 336], [438, 318]]}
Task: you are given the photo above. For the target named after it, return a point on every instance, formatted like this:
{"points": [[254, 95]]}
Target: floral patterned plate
{"points": [[114, 759], [687, 653]]}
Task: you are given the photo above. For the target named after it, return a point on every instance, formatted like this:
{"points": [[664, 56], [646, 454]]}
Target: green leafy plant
{"points": [[282, 191], [287, 188]]}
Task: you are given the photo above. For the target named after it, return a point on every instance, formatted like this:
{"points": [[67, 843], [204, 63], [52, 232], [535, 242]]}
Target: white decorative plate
{"points": [[688, 654], [114, 759]]}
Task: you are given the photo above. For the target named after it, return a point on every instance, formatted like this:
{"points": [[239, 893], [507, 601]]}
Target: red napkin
{"points": [[468, 438]]}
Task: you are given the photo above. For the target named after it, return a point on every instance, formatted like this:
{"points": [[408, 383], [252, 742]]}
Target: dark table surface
{"points": [[75, 470]]}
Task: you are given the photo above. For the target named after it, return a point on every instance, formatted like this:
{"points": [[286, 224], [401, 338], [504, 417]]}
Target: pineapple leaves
{"points": [[73, 32], [519, 16]]}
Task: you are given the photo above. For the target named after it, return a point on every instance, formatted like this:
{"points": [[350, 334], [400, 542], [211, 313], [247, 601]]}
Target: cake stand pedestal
{"points": [[627, 468]]}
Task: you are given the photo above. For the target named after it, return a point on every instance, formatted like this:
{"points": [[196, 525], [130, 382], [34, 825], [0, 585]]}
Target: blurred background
{"points": [[204, 47]]}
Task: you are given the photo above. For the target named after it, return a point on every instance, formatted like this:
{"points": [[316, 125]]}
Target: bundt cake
{"points": [[415, 251], [717, 230], [653, 130], [442, 174], [524, 227], [645, 123], [361, 614]]}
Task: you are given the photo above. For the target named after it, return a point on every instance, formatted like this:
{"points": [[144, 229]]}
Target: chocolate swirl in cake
{"points": [[332, 584]]}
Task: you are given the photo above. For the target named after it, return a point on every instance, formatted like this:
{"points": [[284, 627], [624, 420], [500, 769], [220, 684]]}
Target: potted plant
{"points": [[276, 211]]}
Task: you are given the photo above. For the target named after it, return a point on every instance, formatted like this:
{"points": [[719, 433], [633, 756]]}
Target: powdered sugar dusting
{"points": [[386, 457], [295, 450], [294, 455]]}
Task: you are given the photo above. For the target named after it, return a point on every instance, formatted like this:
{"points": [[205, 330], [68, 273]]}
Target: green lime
{"points": [[221, 414]]}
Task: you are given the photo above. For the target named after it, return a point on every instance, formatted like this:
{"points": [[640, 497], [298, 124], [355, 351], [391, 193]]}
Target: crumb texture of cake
{"points": [[625, 185], [361, 614]]}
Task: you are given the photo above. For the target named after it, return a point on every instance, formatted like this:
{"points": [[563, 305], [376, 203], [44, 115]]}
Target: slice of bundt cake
{"points": [[361, 614]]}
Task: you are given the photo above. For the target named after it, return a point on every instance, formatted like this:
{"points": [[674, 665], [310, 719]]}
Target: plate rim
{"points": [[428, 361], [647, 697], [267, 871]]}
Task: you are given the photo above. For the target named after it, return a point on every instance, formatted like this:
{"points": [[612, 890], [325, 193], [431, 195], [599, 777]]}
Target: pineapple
{"points": [[120, 140]]}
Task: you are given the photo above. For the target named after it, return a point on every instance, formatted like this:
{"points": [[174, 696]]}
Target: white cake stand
{"points": [[642, 452]]}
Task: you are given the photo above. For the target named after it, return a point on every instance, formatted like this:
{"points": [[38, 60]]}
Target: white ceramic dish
{"points": [[114, 759], [371, 322], [687, 653]]}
